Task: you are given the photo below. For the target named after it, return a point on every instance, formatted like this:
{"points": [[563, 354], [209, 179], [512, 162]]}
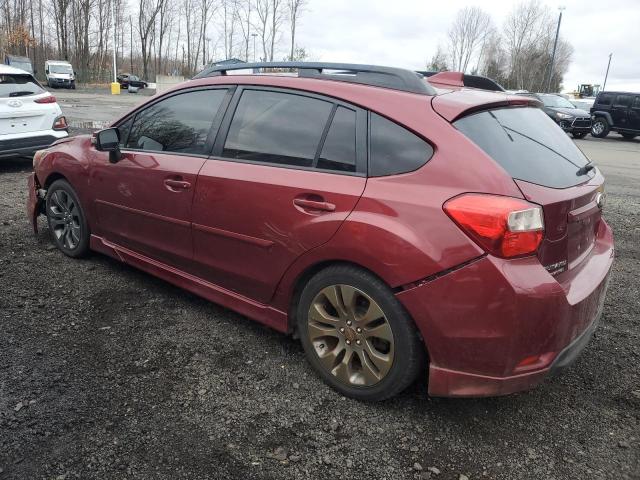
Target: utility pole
{"points": [[555, 45], [131, 44], [607, 74], [254, 35], [113, 23]]}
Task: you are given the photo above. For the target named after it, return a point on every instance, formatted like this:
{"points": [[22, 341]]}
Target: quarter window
{"points": [[636, 102], [339, 149], [394, 149], [179, 124], [605, 99], [276, 127]]}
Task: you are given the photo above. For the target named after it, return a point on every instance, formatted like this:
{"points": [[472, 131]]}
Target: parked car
{"points": [[570, 118], [59, 73], [125, 80], [388, 223], [30, 118], [617, 112], [22, 63]]}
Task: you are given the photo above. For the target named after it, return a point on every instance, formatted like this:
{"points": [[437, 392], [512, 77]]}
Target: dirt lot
{"points": [[108, 373]]}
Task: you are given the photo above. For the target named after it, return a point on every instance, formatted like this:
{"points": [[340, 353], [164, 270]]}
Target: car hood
{"points": [[574, 112]]}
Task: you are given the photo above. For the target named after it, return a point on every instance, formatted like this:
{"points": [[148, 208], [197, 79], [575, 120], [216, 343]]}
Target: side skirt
{"points": [[260, 312]]}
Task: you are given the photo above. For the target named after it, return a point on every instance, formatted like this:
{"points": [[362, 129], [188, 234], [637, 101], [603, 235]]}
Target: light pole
{"points": [[254, 35], [555, 45], [607, 74]]}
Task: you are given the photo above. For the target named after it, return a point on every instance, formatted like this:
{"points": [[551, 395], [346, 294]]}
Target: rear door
{"points": [[634, 114], [143, 202], [286, 173], [19, 110], [620, 110], [549, 170]]}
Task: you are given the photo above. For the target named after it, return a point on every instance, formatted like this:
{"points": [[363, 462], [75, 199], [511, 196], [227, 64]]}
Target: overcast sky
{"points": [[406, 33]]}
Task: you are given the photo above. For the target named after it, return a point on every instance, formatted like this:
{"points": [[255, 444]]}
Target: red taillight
{"points": [[60, 123], [48, 99], [504, 226]]}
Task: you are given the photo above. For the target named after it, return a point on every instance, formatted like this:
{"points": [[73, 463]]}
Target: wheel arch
{"points": [[605, 115]]}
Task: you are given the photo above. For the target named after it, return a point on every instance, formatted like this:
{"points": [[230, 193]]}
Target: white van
{"points": [[59, 73]]}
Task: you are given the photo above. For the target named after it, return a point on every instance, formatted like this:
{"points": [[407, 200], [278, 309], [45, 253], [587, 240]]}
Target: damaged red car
{"points": [[400, 226]]}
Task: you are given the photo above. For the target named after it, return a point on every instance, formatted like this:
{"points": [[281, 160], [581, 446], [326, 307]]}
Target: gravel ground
{"points": [[108, 373]]}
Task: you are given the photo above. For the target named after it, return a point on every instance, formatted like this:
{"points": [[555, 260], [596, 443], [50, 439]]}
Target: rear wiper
{"points": [[586, 169], [21, 93]]}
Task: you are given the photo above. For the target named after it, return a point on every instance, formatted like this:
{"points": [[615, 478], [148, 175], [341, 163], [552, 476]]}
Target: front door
{"points": [[634, 114], [286, 175], [620, 111], [143, 202]]}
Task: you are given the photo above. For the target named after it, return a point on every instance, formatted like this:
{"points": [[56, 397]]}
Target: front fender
{"points": [[606, 115]]}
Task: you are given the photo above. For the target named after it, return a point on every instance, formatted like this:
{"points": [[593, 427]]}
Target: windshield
{"points": [[12, 85], [60, 69], [528, 145], [26, 66], [556, 101]]}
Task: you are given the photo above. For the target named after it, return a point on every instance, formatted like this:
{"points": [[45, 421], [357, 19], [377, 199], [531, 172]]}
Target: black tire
{"points": [[628, 136], [578, 134], [600, 127], [409, 354], [67, 221]]}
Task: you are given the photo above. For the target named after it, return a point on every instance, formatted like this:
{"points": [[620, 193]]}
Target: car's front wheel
{"points": [[66, 219], [578, 134], [357, 335], [600, 127]]}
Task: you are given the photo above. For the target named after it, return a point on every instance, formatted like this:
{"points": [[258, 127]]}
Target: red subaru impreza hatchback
{"points": [[391, 222]]}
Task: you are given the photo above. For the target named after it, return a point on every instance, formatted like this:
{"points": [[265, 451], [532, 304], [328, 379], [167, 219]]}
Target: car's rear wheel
{"points": [[66, 219], [600, 127], [357, 335], [629, 136], [578, 134]]}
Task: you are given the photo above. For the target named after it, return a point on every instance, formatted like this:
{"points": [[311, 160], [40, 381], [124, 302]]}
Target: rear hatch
{"points": [[19, 111], [549, 170]]}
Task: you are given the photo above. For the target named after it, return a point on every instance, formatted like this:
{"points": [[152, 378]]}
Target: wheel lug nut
{"points": [[348, 342], [341, 330], [359, 330], [349, 322], [358, 342]]}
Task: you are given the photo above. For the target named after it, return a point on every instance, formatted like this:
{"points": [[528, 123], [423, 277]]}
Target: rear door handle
{"points": [[177, 184], [314, 204]]}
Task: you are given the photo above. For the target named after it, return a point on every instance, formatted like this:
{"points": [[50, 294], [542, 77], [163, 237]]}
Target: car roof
{"points": [[63, 62], [8, 70], [619, 93]]}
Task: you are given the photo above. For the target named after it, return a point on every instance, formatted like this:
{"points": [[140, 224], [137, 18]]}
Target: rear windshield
{"points": [[16, 85], [528, 145]]}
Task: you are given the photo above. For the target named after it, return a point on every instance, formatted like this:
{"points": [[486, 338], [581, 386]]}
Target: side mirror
{"points": [[108, 140]]}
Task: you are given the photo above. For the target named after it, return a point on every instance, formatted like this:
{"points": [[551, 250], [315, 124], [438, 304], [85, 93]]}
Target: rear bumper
{"points": [[25, 145], [497, 326]]}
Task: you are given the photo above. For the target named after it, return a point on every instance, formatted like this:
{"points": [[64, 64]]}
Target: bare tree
{"points": [[271, 16], [148, 10], [295, 8], [438, 62], [468, 31]]}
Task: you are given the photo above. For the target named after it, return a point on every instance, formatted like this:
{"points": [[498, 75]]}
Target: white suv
{"points": [[30, 118]]}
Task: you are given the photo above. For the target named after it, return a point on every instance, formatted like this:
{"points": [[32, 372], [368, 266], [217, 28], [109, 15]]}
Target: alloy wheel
{"points": [[597, 128], [351, 335], [65, 219]]}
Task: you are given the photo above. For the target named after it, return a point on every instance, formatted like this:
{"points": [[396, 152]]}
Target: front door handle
{"points": [[177, 184], [307, 204]]}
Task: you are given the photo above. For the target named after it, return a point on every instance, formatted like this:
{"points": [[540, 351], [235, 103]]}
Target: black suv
{"points": [[570, 118], [618, 112]]}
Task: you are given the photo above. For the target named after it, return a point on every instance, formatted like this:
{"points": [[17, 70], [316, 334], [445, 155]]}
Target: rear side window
{"points": [[605, 99], [528, 145], [275, 127], [178, 124], [16, 85], [394, 149], [339, 149], [636, 102], [623, 101]]}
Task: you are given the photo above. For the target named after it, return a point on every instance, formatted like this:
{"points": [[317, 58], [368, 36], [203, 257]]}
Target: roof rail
{"points": [[459, 79], [387, 77]]}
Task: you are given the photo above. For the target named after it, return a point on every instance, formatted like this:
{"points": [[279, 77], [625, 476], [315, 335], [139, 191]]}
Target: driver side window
{"points": [[178, 124]]}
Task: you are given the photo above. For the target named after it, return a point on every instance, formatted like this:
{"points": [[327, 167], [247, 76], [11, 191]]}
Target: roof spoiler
{"points": [[459, 79]]}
